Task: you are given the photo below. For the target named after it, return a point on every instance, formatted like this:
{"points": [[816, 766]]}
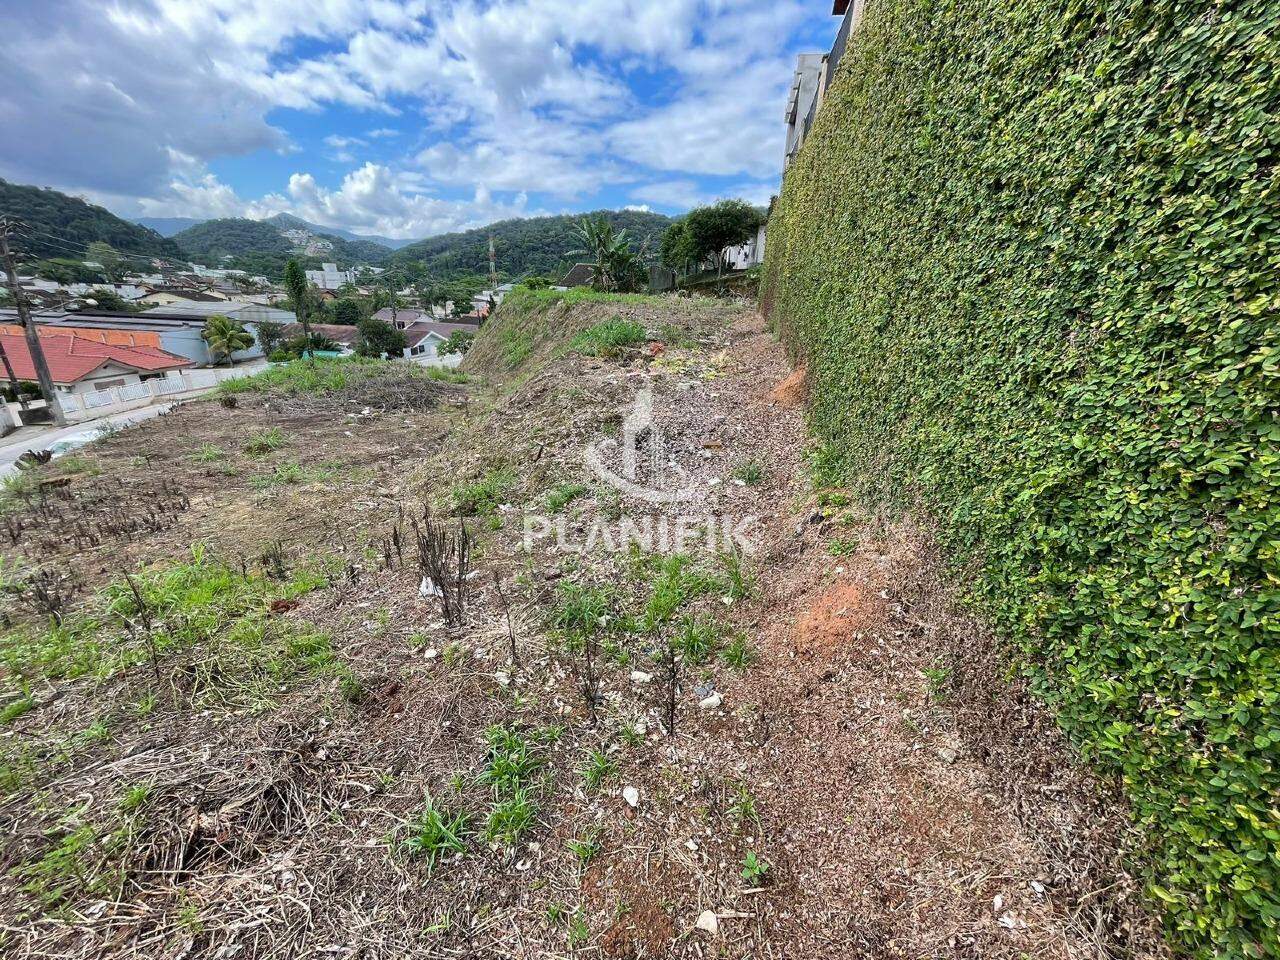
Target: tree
{"points": [[723, 224], [346, 312], [225, 336], [605, 248], [377, 337], [111, 301], [106, 255], [459, 342], [295, 282], [270, 335], [677, 250]]}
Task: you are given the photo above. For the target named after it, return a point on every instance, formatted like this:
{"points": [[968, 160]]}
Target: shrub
{"points": [[1036, 297]]}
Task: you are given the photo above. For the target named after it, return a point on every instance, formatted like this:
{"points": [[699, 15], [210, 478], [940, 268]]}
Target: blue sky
{"points": [[403, 118]]}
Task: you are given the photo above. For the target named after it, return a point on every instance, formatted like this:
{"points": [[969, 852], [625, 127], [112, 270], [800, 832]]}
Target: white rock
{"points": [[429, 589], [503, 678], [711, 702], [639, 676], [708, 921], [631, 795], [431, 653]]}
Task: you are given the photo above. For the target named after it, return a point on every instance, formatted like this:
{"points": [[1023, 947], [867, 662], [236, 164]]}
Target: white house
{"points": [[329, 277], [423, 340], [749, 254]]}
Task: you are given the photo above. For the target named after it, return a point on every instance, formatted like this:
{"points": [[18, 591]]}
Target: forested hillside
{"points": [[59, 226], [262, 246], [1029, 255], [539, 245]]}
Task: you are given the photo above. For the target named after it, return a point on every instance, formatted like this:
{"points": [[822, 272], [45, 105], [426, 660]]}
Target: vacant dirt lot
{"points": [[247, 715]]}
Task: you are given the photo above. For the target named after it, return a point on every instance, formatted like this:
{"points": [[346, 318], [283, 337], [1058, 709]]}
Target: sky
{"points": [[401, 118]]}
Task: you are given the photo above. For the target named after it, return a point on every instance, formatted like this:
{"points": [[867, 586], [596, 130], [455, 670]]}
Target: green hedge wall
{"points": [[1031, 254]]}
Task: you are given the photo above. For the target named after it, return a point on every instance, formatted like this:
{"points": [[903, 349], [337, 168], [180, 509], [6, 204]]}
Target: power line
{"points": [[80, 250]]}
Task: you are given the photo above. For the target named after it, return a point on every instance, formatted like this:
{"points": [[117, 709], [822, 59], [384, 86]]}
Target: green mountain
{"points": [[541, 245], [265, 246], [388, 242], [166, 226], [56, 225]]}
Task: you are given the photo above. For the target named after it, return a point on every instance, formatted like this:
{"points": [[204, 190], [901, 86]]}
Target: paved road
{"points": [[68, 438]]}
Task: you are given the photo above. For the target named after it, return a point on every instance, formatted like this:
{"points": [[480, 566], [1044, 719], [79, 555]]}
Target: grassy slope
{"points": [[1029, 254]]}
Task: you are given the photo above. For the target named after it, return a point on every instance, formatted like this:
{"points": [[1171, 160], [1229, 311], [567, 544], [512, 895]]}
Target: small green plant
{"points": [[599, 768], [265, 441], [738, 654], [135, 797], [936, 678], [738, 580], [750, 473], [608, 338], [843, 546], [674, 582], [585, 848], [208, 453], [578, 933], [16, 708], [509, 819], [744, 808], [581, 610], [482, 497], [755, 869], [561, 496], [511, 761], [435, 834], [697, 639]]}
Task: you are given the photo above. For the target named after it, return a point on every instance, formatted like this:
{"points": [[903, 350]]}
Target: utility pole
{"points": [[13, 379], [29, 326], [493, 278]]}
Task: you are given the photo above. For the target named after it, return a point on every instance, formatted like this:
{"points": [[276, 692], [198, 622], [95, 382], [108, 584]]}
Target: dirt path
{"points": [[893, 839]]}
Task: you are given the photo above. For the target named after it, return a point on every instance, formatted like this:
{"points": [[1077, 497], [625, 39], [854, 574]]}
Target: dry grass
{"points": [[256, 791]]}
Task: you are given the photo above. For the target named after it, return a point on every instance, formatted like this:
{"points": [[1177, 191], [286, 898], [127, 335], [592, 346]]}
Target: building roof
{"points": [[839, 7], [195, 296], [240, 310], [337, 332], [415, 333], [580, 276], [402, 315], [71, 359]]}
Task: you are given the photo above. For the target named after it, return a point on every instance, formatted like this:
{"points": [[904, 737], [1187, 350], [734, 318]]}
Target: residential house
{"points": [[180, 325], [403, 317], [79, 366], [747, 255], [813, 75], [166, 295], [329, 277], [424, 338]]}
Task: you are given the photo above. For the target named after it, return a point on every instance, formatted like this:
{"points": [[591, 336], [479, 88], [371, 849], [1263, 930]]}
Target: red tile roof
{"points": [[71, 359]]}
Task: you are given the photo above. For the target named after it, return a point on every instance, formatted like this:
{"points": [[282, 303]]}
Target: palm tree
{"points": [[225, 336], [295, 281]]}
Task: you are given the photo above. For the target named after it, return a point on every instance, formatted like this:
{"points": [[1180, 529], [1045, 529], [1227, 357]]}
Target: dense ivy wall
{"points": [[1031, 253]]}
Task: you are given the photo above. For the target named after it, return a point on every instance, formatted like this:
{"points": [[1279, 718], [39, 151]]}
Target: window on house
{"points": [[108, 384]]}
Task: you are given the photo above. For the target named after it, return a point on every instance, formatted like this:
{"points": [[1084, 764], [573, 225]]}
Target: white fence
{"points": [[186, 383]]}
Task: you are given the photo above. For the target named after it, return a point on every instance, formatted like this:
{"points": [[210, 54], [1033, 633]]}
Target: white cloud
{"points": [[133, 99], [638, 208]]}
